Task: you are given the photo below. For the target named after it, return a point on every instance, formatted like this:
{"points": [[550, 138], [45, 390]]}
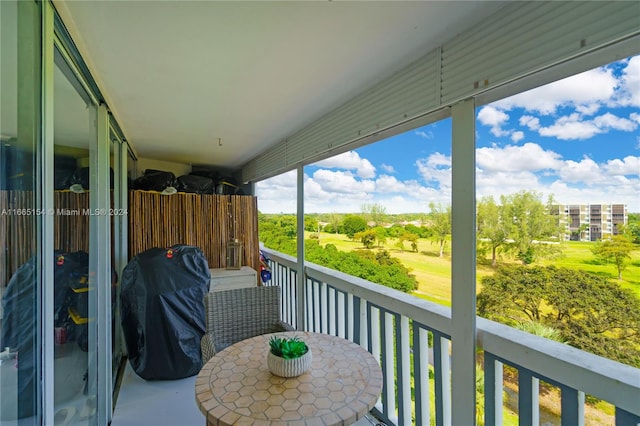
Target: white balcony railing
{"points": [[394, 327]]}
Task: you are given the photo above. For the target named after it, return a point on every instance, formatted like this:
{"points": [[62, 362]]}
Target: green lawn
{"points": [[577, 255], [434, 273], [434, 277]]}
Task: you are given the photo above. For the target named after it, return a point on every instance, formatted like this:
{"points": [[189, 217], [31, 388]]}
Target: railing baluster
{"points": [[421, 374], [365, 324], [493, 389], [528, 405], [403, 360], [442, 374], [311, 311], [358, 324], [342, 314], [323, 308], [316, 307], [292, 283], [572, 407], [625, 418], [331, 311], [388, 355]]}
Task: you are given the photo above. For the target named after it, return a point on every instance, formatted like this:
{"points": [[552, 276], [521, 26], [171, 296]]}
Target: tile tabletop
{"points": [[235, 387]]}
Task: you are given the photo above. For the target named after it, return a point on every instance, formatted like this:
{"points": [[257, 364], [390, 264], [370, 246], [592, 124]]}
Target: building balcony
{"points": [[395, 328]]}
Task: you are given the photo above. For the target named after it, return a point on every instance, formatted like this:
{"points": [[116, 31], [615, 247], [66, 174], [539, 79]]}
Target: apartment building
{"points": [[591, 222]]}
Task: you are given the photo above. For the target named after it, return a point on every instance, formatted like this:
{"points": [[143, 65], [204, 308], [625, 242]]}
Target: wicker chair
{"points": [[235, 315]]}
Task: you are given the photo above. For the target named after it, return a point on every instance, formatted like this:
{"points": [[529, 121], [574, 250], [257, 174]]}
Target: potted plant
{"points": [[288, 356]]}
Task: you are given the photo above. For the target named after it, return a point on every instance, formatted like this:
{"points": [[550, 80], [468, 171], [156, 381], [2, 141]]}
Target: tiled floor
{"points": [[161, 403]]}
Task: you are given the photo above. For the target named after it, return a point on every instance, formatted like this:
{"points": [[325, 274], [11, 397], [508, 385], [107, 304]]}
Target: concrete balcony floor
{"points": [[163, 403]]}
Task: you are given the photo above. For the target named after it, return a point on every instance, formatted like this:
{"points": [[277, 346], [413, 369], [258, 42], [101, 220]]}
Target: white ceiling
{"points": [[179, 75]]}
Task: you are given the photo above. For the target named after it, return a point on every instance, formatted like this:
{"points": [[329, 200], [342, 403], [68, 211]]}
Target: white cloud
{"points": [[496, 183], [494, 118], [585, 170], [436, 169], [570, 130], [585, 91], [424, 134], [387, 168], [528, 157], [388, 184], [533, 123], [588, 109], [574, 127], [342, 182], [629, 165], [350, 160], [629, 92], [277, 194], [517, 136], [610, 121]]}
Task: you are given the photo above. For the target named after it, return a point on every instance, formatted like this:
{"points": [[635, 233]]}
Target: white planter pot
{"points": [[289, 367]]}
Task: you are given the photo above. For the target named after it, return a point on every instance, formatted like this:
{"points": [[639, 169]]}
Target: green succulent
{"points": [[288, 348]]}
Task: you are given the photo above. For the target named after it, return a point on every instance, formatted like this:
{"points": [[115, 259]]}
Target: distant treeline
{"points": [[279, 233]]}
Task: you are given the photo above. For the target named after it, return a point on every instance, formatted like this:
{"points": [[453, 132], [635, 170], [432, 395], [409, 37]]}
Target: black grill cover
{"points": [[194, 184], [163, 315], [154, 180]]}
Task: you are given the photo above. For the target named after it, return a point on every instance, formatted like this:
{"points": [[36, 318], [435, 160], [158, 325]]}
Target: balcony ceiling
{"points": [[180, 75]]}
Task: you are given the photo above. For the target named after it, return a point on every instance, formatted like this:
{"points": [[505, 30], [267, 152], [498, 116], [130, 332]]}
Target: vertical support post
{"points": [[124, 205], [100, 262], [46, 231], [463, 263], [301, 279]]}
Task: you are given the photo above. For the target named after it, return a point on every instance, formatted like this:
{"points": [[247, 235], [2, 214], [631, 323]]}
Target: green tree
{"points": [[311, 223], [440, 224], [632, 229], [353, 224], [381, 235], [532, 228], [589, 311], [492, 229], [408, 236], [367, 238], [374, 212], [334, 222], [615, 250]]}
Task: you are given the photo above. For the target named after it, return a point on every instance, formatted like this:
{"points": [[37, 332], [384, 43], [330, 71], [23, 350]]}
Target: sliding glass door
{"points": [[21, 213]]}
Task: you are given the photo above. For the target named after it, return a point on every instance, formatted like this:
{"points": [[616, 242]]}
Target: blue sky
{"points": [[577, 139]]}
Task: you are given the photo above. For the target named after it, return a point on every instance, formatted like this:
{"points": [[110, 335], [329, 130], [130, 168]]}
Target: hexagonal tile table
{"points": [[235, 387]]}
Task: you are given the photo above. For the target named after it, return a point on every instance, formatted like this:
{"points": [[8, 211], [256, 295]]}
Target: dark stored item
{"points": [[226, 186], [162, 305], [16, 167], [211, 174], [64, 169], [81, 176], [154, 180], [19, 325], [195, 184], [19, 331]]}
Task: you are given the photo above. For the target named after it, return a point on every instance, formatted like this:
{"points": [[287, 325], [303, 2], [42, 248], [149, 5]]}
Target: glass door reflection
{"points": [[75, 373]]}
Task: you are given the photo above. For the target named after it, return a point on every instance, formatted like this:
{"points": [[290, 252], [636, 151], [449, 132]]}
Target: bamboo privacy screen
{"points": [[17, 237], [155, 220], [204, 221]]}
